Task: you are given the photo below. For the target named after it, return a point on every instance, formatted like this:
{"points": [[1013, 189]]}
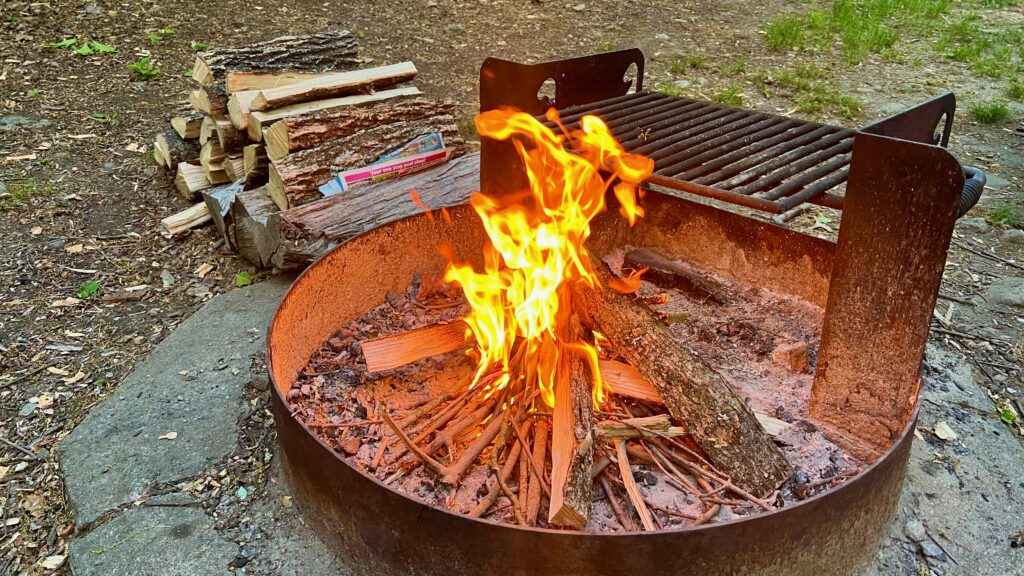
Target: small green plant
{"points": [[670, 89], [88, 289], [991, 113], [731, 96], [159, 35], [104, 118], [735, 68], [200, 46], [1015, 91], [785, 33], [33, 92], [607, 46], [66, 43], [21, 191], [680, 64], [144, 69], [1004, 215], [243, 278]]}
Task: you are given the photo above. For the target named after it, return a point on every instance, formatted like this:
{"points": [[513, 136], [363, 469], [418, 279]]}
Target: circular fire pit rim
{"points": [[832, 493]]}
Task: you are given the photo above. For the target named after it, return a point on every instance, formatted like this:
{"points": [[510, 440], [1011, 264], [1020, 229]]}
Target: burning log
{"points": [[294, 179], [572, 443], [721, 423], [664, 272], [535, 486], [274, 62], [306, 232], [334, 85]]}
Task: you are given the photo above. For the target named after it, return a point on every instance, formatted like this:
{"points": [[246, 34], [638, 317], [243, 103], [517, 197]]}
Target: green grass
{"points": [[607, 46], [735, 68], [990, 113], [1005, 215], [1015, 91], [785, 33], [680, 64], [812, 91], [731, 96], [20, 192], [670, 89]]}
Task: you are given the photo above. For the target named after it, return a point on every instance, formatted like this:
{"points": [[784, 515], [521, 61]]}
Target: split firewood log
{"points": [[191, 179], [187, 126], [305, 233], [218, 203], [310, 130], [694, 393], [572, 447], [173, 149], [254, 163], [211, 104], [187, 219], [231, 139], [250, 214], [258, 121], [228, 70], [294, 179], [334, 85]]}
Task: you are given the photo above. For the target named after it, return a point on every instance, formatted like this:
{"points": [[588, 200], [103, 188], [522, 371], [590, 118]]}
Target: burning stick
{"points": [[506, 470], [624, 519], [721, 423], [572, 441], [647, 427], [434, 465], [536, 483]]}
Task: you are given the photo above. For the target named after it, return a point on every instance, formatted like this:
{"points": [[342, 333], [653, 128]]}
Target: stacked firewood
{"points": [[276, 120]]}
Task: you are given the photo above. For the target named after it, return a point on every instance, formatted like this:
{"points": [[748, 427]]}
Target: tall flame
{"points": [[522, 302]]}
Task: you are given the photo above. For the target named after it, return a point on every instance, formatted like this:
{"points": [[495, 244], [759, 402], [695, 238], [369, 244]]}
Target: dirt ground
{"points": [[80, 200]]}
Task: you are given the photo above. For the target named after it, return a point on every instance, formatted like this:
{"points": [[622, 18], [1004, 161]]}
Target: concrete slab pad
{"points": [[117, 453]]}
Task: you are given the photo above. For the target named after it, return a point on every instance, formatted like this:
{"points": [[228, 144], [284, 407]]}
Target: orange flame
{"points": [[522, 314]]}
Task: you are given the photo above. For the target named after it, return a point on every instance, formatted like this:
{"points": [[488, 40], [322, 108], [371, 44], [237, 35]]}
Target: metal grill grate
{"points": [[759, 160]]}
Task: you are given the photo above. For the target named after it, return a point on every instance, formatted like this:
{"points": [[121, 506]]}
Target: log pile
{"points": [[276, 120]]}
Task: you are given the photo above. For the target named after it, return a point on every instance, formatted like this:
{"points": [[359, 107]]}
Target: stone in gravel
{"points": [[27, 409], [681, 84], [56, 244], [14, 121], [167, 278], [3, 187], [914, 530], [976, 224], [932, 550], [177, 540], [105, 464], [1013, 236], [1007, 291]]}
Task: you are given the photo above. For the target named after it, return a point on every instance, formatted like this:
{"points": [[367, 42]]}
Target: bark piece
{"points": [[294, 179], [334, 85], [187, 126], [667, 273], [572, 443], [694, 393], [318, 52], [260, 120], [305, 233], [251, 214], [174, 149]]}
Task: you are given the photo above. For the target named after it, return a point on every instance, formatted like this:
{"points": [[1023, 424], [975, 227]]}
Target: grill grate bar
{"points": [[762, 161], [806, 178], [741, 146], [762, 169], [794, 168], [737, 162], [719, 144]]}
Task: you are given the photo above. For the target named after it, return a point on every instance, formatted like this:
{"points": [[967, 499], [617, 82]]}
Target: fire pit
{"points": [[877, 287]]}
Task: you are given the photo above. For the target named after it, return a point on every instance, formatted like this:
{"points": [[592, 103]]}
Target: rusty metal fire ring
{"points": [[376, 530]]}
